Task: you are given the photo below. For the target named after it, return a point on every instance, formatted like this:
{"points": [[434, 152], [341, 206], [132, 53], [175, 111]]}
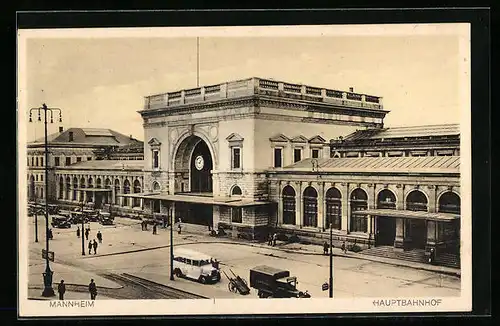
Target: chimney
{"points": [[351, 89], [70, 136], [61, 129]]}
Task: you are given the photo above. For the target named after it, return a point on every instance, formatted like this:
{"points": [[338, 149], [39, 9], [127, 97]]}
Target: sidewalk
{"points": [[35, 293]]}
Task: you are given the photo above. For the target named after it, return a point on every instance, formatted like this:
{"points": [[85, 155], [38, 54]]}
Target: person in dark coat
{"points": [[154, 228], [78, 232], [61, 288], [51, 235], [99, 236], [325, 248], [270, 240], [94, 245], [87, 232], [179, 228], [90, 247], [92, 289], [142, 225], [432, 256], [343, 247]]}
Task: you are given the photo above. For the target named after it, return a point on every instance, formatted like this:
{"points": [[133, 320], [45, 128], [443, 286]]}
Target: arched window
{"points": [[449, 202], [98, 183], [75, 186], [107, 185], [61, 187], [156, 186], [236, 191], [137, 189], [288, 205], [416, 201], [310, 207], [126, 190], [333, 209], [91, 183], [117, 191], [386, 200], [359, 202]]}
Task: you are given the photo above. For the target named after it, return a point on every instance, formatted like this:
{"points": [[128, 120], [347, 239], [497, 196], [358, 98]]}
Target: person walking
{"points": [[61, 288], [142, 225], [154, 228], [343, 247], [432, 256], [78, 232], [99, 236], [275, 237], [92, 289], [51, 235], [269, 239], [325, 248], [87, 232], [90, 247], [94, 245], [179, 227]]}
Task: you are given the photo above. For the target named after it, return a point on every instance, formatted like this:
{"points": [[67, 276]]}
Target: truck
{"points": [[272, 282]]}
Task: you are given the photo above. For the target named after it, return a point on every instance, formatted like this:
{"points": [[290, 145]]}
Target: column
{"points": [[345, 206], [432, 233], [321, 208], [121, 199], [400, 197], [298, 205], [369, 225], [280, 204], [399, 240], [431, 205]]}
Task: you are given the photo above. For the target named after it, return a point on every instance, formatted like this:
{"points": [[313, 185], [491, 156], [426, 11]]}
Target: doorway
{"points": [[418, 233], [386, 231]]}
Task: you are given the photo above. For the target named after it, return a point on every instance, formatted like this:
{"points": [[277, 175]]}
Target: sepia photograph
{"points": [[244, 170]]}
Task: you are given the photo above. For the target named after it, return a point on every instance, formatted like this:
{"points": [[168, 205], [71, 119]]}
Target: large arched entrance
{"points": [[193, 167], [386, 226]]}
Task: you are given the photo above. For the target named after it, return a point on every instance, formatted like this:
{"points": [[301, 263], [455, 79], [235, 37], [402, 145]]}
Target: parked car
{"points": [[60, 222], [271, 282], [106, 218]]}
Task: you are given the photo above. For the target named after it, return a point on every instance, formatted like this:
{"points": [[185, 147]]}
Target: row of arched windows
{"points": [[449, 202], [69, 187]]}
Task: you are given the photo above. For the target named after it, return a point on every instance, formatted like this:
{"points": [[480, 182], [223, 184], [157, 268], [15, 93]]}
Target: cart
{"points": [[237, 284]]}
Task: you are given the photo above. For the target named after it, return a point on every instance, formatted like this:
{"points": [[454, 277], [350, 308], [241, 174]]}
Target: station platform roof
{"points": [[199, 199]]}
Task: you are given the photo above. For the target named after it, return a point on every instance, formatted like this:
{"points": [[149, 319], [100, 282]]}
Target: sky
{"points": [[101, 82]]}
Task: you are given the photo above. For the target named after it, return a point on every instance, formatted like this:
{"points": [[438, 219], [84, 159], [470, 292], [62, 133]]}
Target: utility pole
{"points": [[36, 220], [330, 288], [48, 291], [170, 211], [83, 233]]}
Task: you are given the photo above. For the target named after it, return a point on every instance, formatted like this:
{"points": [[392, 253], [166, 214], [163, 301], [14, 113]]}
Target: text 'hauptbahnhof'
{"points": [[256, 156]]}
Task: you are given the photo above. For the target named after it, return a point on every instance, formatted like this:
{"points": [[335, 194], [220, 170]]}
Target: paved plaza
{"points": [[128, 249]]}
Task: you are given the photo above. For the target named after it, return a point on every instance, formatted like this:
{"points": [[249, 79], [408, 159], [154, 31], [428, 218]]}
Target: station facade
{"points": [[255, 156]]}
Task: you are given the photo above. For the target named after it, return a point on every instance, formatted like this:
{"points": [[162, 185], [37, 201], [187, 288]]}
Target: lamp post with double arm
{"points": [[48, 291]]}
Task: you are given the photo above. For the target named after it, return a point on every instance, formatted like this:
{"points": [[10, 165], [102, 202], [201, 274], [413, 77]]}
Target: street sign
{"points": [[51, 255], [324, 286]]}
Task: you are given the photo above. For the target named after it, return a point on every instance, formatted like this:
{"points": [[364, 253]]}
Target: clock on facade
{"points": [[199, 162]]}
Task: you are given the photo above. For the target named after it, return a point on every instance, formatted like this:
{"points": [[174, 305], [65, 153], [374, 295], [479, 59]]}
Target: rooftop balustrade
{"points": [[259, 86]]}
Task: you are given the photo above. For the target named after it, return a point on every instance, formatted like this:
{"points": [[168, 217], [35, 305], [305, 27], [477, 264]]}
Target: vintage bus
{"points": [[195, 265]]}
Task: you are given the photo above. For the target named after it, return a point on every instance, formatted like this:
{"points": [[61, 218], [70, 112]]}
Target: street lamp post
{"points": [[83, 233], [36, 220], [170, 210], [330, 288], [48, 291]]}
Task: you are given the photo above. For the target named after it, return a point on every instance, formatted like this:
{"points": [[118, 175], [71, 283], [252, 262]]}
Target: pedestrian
{"points": [[275, 237], [154, 228], [269, 239], [142, 225], [90, 247], [78, 232], [179, 227], [99, 236], [92, 289], [87, 232], [432, 256], [95, 246], [343, 247], [61, 288], [164, 222], [325, 248], [51, 235]]}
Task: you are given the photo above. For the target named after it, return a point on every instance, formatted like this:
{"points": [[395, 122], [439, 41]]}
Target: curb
{"points": [[302, 252]]}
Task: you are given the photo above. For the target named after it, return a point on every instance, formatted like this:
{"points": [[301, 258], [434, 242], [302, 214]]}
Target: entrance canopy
{"points": [[224, 201], [445, 217], [94, 189]]}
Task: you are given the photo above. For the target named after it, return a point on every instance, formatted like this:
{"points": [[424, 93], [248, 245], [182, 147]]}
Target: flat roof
{"points": [[410, 131], [224, 201], [410, 214], [106, 164], [419, 164]]}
